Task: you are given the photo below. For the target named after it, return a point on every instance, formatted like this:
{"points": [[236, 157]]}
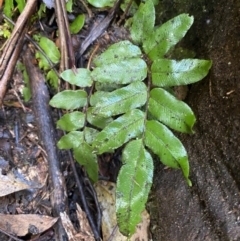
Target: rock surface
{"points": [[210, 209]]}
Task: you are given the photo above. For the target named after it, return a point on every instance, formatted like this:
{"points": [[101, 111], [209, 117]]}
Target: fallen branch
{"points": [[13, 47], [42, 111]]}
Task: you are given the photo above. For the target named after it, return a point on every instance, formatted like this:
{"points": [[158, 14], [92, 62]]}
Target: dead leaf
{"points": [[10, 183], [23, 224], [106, 197], [85, 234]]}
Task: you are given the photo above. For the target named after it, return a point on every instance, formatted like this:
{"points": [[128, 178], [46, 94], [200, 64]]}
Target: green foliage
{"points": [[9, 6], [130, 107], [102, 3], [26, 90], [77, 24], [5, 31], [52, 52]]}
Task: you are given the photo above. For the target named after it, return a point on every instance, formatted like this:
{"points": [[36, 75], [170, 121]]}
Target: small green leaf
{"points": [[96, 120], [122, 72], [77, 24], [167, 72], [118, 52], [120, 131], [71, 121], [69, 5], [80, 77], [8, 8], [102, 3], [72, 140], [172, 112], [84, 155], [26, 90], [20, 5], [52, 78], [69, 99], [42, 61], [167, 147], [143, 22], [166, 36], [50, 49], [133, 186], [121, 100]]}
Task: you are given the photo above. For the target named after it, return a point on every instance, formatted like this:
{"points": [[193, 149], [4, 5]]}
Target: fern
{"points": [[131, 108]]}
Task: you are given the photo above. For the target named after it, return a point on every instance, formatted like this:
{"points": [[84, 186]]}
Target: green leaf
{"points": [[79, 77], [167, 72], [90, 134], [20, 5], [120, 131], [26, 90], [52, 78], [120, 100], [107, 86], [118, 52], [50, 49], [172, 112], [72, 140], [167, 147], [42, 61], [166, 36], [69, 5], [71, 121], [96, 120], [77, 24], [8, 8], [143, 22], [102, 3], [133, 186], [84, 155], [69, 99], [123, 72]]}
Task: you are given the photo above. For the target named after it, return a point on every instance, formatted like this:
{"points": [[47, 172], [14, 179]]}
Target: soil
{"points": [[210, 209]]}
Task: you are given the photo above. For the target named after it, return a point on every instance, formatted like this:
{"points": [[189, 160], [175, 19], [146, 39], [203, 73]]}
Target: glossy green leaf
{"points": [[171, 111], [71, 140], [77, 24], [80, 77], [50, 49], [167, 36], [107, 86], [167, 147], [69, 99], [123, 72], [133, 186], [167, 72], [118, 52], [102, 3], [90, 134], [71, 121], [143, 22], [120, 131], [96, 120], [121, 100], [85, 156]]}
